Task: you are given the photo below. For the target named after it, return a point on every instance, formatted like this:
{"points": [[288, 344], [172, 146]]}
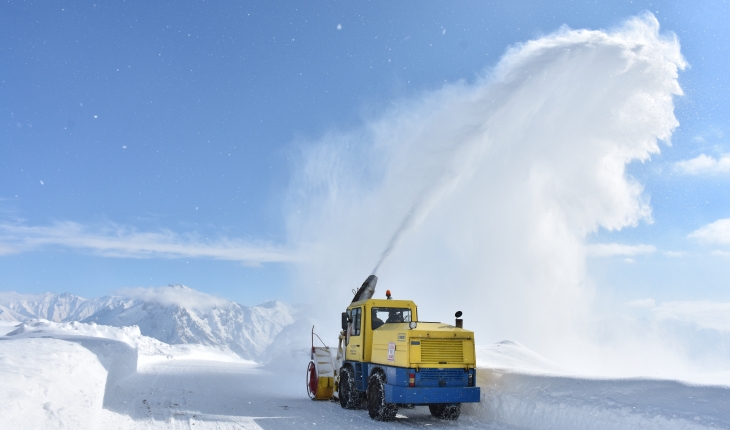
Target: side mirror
{"points": [[345, 320]]}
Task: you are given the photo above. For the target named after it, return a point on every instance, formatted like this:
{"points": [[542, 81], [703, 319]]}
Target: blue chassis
{"points": [[433, 385]]}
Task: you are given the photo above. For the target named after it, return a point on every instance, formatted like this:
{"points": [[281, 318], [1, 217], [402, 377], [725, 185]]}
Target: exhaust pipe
{"points": [[459, 321]]}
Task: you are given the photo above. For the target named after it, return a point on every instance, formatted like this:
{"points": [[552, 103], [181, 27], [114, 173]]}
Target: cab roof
{"points": [[385, 303]]}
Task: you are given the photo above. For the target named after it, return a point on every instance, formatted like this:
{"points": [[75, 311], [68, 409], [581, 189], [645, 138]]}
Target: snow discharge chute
{"points": [[366, 290]]}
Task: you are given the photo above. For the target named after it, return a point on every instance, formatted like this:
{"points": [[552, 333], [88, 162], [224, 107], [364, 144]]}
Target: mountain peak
{"points": [[270, 304]]}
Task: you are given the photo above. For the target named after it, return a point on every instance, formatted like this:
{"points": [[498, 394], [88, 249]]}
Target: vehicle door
{"points": [[355, 344]]}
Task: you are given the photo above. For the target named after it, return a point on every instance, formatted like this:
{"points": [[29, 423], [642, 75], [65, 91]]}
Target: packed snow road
{"points": [[200, 394]]}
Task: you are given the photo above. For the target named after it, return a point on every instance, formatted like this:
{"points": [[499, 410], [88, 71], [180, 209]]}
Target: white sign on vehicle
{"points": [[391, 351]]}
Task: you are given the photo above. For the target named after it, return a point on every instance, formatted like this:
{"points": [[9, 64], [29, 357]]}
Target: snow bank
{"points": [[521, 388], [49, 383], [61, 375], [565, 403], [147, 349]]}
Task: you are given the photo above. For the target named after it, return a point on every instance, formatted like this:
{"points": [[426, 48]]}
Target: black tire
{"points": [[445, 411], [347, 392], [377, 408]]}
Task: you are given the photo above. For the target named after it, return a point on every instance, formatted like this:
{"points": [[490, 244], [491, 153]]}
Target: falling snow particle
{"points": [[96, 116], [339, 26], [124, 146], [41, 182], [443, 31]]}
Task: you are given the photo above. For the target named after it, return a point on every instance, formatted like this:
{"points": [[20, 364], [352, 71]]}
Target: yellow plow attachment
{"points": [[320, 372]]}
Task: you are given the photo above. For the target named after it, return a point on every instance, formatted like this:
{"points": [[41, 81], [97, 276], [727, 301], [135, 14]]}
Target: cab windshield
{"points": [[382, 316]]}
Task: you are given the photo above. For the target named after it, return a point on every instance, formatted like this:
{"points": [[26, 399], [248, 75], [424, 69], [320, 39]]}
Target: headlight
{"points": [[412, 325]]}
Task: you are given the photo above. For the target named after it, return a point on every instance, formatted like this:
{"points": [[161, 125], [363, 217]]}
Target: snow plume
{"points": [[174, 295], [482, 194], [703, 314]]}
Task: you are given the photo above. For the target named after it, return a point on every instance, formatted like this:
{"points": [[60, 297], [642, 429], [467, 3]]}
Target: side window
{"points": [[356, 317]]}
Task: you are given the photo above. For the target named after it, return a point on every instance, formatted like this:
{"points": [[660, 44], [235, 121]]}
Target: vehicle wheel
{"points": [[445, 411], [377, 408], [348, 394]]}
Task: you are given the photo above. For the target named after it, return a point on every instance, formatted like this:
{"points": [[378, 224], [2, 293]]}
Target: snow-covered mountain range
{"points": [[49, 306], [175, 314]]}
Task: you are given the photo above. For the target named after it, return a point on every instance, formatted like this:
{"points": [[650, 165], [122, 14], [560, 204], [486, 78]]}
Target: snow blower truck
{"points": [[387, 359]]}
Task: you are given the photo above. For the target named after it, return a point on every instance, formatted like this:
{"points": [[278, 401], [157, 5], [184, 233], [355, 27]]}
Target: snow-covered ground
{"points": [[78, 375]]}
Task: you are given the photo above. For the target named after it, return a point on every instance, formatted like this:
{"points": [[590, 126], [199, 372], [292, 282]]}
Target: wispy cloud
{"points": [[6, 249], [618, 249], [716, 233], [112, 240], [704, 165]]}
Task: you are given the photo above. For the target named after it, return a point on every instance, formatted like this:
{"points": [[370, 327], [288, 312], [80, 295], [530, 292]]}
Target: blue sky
{"points": [[174, 129]]}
